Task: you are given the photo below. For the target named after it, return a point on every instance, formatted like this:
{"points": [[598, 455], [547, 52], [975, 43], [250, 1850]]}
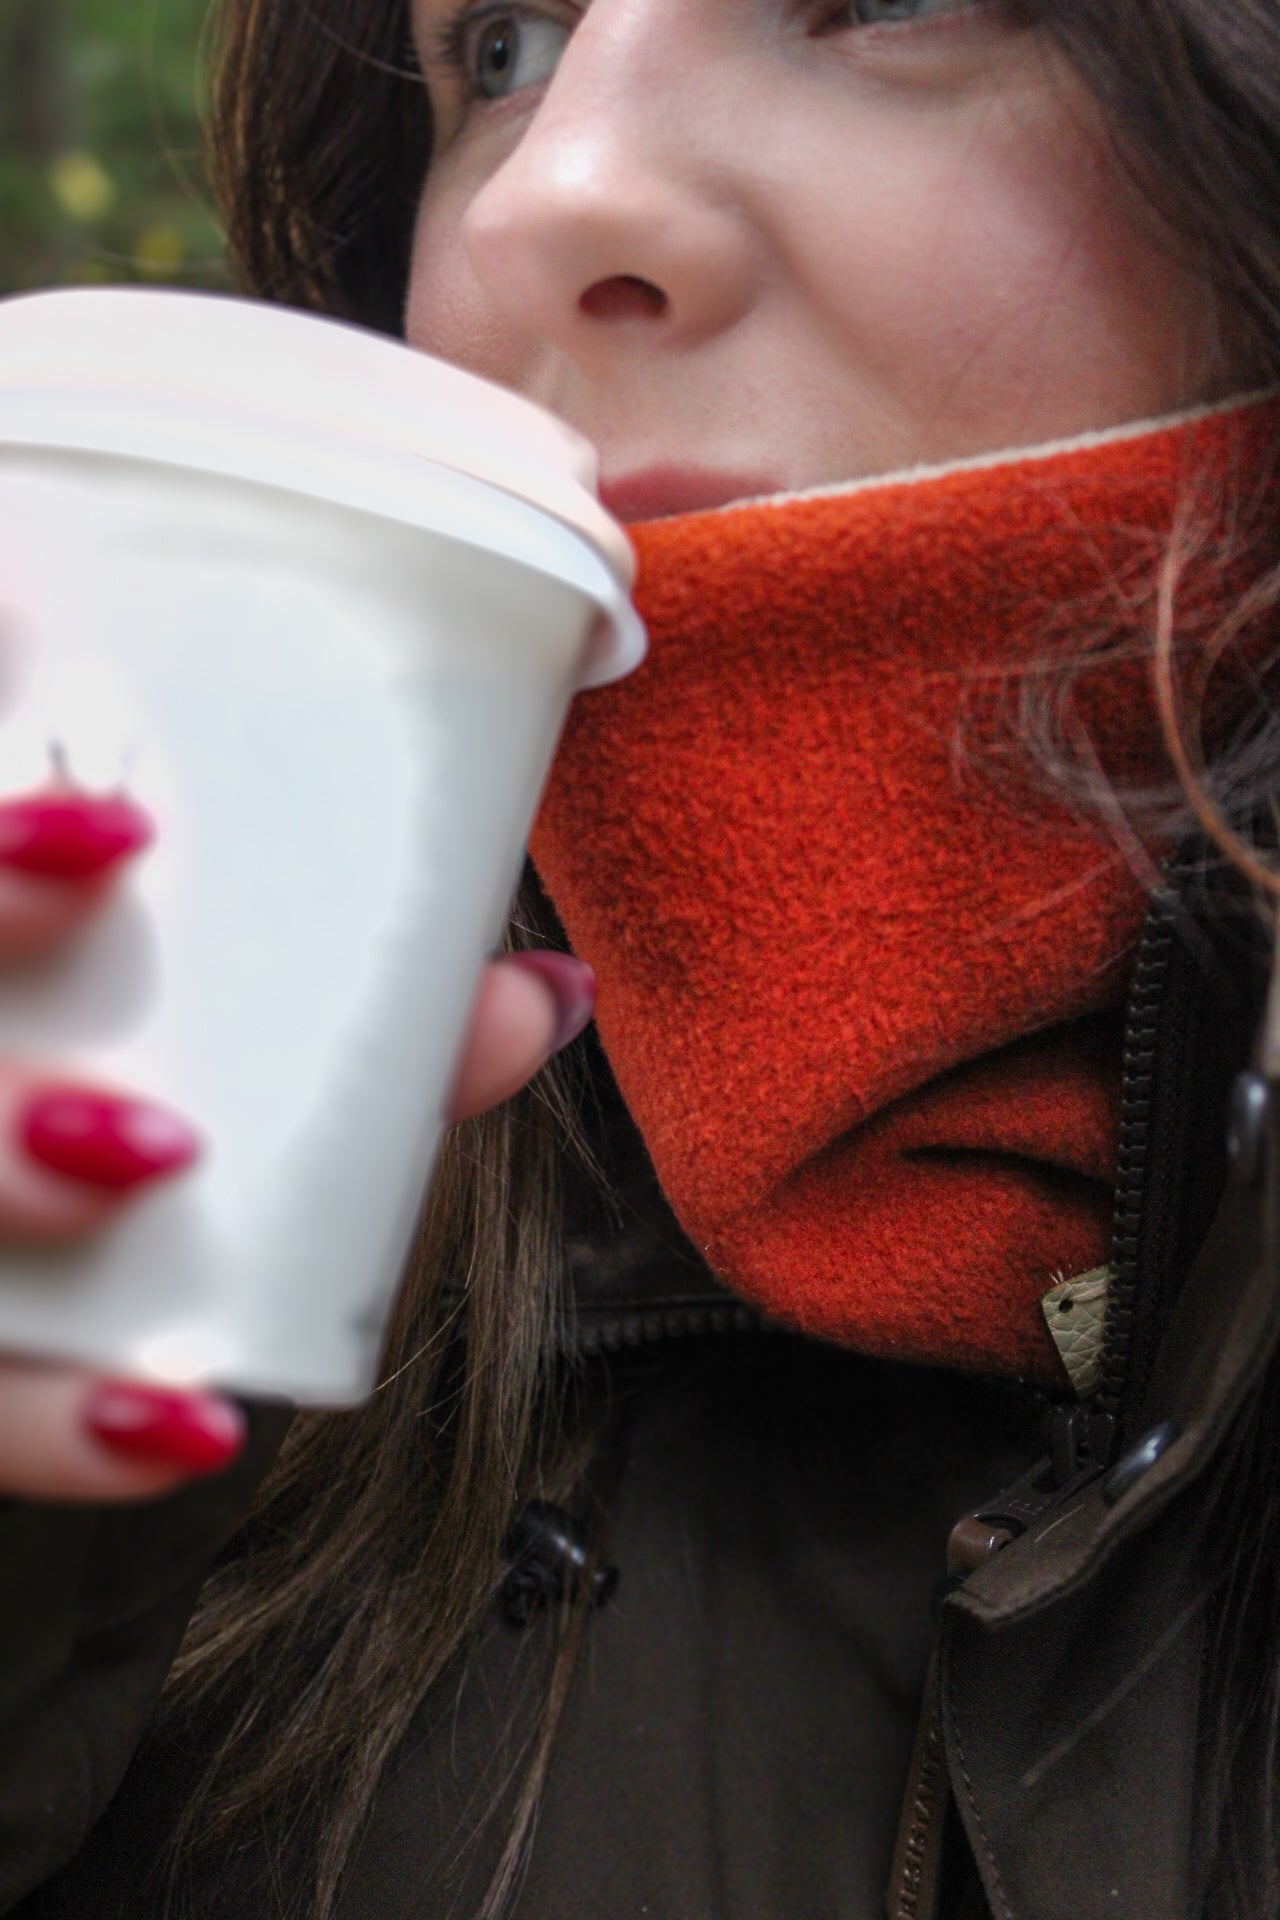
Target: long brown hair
{"points": [[378, 1543]]}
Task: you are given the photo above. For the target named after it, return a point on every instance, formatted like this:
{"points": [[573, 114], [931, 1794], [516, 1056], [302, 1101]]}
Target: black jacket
{"points": [[843, 1585]]}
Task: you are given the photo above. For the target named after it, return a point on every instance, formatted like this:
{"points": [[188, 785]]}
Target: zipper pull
{"points": [[922, 1859], [915, 1880]]}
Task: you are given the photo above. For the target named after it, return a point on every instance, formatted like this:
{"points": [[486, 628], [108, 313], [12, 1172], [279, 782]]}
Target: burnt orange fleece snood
{"points": [[860, 995]]}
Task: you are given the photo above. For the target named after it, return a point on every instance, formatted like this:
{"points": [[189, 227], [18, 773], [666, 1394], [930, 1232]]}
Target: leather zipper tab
{"points": [[920, 1858], [915, 1882]]}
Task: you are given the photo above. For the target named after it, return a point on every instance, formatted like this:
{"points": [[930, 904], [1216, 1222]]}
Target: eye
{"points": [[503, 52]]}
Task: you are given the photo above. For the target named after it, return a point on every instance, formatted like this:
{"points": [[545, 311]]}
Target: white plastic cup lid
{"points": [[119, 362]]}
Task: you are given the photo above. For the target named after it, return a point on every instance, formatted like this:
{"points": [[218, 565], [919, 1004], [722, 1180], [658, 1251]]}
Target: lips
{"points": [[659, 493]]}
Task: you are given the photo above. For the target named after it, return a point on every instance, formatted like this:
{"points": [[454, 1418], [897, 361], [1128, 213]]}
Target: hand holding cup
{"points": [[72, 1157], [330, 604]]}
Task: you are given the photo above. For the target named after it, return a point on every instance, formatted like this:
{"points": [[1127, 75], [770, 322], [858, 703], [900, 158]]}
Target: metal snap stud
{"points": [[1139, 1460], [1247, 1125], [550, 1561]]}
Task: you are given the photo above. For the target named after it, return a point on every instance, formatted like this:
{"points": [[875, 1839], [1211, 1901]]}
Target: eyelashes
{"points": [[497, 48], [521, 44], [848, 15], [875, 12]]}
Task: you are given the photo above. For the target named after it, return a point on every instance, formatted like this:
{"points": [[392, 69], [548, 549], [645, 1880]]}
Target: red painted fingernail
{"points": [[573, 984], [69, 835], [198, 1432], [104, 1139]]}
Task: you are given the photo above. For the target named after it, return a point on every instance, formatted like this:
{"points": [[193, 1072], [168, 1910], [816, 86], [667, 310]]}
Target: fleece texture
{"points": [[860, 972]]}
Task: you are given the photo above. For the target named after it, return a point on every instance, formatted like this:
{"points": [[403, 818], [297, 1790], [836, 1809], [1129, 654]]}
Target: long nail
{"points": [[198, 1432], [104, 1139], [573, 985], [71, 835]]}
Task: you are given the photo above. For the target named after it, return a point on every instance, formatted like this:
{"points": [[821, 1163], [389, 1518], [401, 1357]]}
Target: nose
{"points": [[617, 214]]}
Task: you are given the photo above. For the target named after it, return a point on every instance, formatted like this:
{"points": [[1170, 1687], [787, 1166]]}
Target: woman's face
{"points": [[754, 245]]}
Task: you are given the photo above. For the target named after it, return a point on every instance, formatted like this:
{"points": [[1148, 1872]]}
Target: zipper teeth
{"points": [[1131, 1169], [646, 1325]]}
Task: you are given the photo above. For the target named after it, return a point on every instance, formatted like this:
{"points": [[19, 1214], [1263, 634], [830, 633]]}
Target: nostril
{"points": [[623, 297]]}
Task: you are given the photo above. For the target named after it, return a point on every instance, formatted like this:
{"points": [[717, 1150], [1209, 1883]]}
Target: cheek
{"points": [[447, 313], [1076, 303], [998, 279], [436, 314]]}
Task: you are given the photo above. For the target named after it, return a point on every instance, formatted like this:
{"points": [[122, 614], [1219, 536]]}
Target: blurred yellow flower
{"points": [[82, 186], [159, 251]]}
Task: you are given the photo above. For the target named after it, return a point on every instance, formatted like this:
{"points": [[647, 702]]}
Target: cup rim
{"points": [[256, 391]]}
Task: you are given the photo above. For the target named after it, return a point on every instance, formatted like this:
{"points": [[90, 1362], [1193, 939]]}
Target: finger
{"points": [[61, 853], [66, 1434], [39, 916], [529, 1006], [72, 1155]]}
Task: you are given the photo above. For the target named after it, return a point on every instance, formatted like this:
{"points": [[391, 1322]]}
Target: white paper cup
{"points": [[320, 606]]}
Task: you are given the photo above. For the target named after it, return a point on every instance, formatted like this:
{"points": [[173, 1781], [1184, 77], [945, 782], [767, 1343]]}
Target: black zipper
{"points": [[1160, 1028], [1142, 1021], [595, 1331], [1190, 1023], [1081, 1439]]}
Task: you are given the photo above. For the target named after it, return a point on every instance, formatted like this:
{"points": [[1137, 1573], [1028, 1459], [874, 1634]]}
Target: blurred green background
{"points": [[100, 175]]}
